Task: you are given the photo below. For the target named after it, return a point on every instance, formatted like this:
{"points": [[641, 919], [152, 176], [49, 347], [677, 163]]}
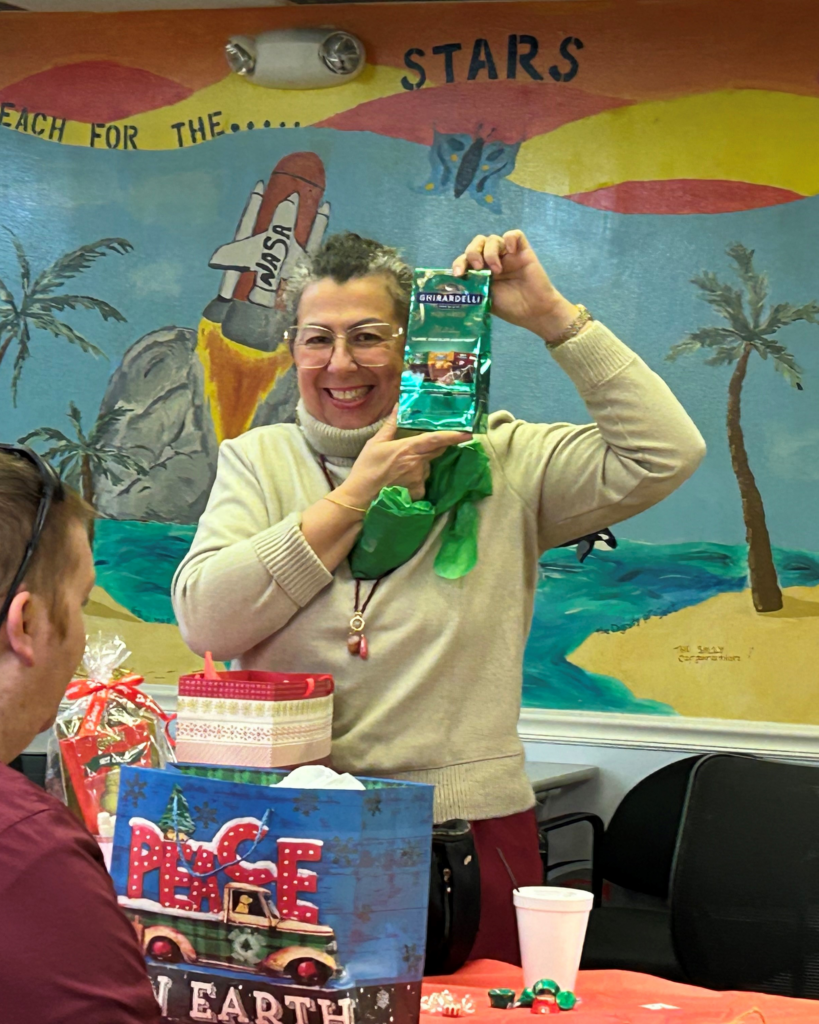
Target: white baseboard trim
{"points": [[669, 732]]}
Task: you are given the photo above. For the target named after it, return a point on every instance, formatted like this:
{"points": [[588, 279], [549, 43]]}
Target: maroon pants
{"points": [[516, 837]]}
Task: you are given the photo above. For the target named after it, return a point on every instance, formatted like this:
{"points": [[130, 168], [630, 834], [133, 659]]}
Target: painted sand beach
{"points": [[158, 651], [646, 628], [629, 630], [720, 659]]}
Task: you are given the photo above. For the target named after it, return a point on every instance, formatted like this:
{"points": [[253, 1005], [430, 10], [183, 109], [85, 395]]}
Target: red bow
{"points": [[126, 687]]}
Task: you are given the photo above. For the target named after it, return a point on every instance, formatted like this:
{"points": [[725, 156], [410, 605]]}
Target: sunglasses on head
{"points": [[52, 490]]}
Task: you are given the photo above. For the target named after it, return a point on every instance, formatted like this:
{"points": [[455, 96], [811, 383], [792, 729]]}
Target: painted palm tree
{"points": [[751, 328], [79, 459], [40, 299]]}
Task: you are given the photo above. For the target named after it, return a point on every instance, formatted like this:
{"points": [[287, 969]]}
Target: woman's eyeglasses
{"points": [[52, 490], [368, 344]]}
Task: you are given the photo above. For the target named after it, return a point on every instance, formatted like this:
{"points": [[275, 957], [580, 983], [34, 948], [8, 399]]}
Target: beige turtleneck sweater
{"points": [[439, 697]]}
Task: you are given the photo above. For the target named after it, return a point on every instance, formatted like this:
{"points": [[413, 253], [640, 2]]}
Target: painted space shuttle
{"points": [[281, 222]]}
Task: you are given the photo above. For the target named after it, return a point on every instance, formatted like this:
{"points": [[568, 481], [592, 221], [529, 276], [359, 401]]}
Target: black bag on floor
{"points": [[454, 897]]}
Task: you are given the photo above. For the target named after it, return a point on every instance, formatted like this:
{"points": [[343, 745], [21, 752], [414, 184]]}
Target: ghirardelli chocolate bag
{"points": [[445, 383]]}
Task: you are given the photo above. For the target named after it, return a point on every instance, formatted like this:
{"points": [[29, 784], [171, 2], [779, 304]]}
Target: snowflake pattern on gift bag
{"points": [[132, 792]]}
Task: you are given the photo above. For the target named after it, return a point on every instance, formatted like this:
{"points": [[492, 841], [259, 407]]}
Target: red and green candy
{"points": [[545, 996]]}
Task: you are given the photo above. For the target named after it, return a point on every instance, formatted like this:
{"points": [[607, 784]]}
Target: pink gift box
{"points": [[255, 719]]}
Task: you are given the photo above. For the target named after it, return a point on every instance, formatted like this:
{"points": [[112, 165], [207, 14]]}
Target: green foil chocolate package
{"points": [[445, 383]]}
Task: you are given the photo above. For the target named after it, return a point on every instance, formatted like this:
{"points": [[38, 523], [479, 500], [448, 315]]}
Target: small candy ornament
{"points": [[545, 987], [447, 1005], [501, 998], [545, 992], [544, 1004]]}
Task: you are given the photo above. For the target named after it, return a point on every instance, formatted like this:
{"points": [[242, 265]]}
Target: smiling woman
{"points": [[438, 701], [348, 378], [348, 372]]}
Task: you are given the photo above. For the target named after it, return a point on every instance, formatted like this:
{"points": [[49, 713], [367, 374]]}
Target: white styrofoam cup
{"points": [[551, 927]]}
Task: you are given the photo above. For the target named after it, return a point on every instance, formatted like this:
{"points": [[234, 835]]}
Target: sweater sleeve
{"points": [[577, 479], [249, 569]]}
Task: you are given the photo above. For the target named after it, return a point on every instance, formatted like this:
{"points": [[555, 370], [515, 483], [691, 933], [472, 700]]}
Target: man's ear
{"points": [[18, 625]]}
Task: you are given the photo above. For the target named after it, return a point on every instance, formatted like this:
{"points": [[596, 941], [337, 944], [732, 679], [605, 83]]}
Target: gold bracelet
{"points": [[343, 504], [575, 327]]}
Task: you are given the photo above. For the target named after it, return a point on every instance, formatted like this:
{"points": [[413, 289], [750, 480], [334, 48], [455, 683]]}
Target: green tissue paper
{"points": [[395, 526]]}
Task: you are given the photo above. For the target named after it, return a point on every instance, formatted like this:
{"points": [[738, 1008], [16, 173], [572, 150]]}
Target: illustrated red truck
{"points": [[248, 934]]}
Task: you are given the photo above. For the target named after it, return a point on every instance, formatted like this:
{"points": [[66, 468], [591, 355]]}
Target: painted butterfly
{"points": [[463, 164]]}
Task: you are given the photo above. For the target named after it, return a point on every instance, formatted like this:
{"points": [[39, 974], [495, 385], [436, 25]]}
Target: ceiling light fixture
{"points": [[297, 58]]}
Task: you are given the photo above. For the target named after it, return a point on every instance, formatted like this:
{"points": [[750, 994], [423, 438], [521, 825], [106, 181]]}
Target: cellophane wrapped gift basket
{"points": [[105, 723]]}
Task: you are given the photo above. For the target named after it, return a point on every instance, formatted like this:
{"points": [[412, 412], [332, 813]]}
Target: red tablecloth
{"points": [[620, 997]]}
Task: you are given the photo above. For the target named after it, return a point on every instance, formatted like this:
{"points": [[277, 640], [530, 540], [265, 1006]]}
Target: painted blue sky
{"points": [[632, 271]]}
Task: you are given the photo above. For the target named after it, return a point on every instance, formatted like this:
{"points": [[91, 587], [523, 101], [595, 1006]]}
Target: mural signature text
{"points": [[704, 653]]}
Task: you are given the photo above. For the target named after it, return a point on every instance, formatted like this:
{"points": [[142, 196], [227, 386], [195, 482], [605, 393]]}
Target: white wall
{"points": [[621, 768]]}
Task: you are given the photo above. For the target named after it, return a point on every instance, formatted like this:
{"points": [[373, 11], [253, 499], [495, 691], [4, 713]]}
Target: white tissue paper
{"points": [[318, 776]]}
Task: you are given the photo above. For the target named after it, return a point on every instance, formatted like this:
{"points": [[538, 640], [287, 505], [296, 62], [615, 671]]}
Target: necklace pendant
{"points": [[355, 640], [363, 648]]}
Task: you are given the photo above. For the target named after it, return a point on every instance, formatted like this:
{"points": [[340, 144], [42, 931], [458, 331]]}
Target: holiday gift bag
{"points": [[294, 906]]}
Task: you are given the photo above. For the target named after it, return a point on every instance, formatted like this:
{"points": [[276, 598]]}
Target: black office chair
{"points": [[745, 886], [635, 853]]}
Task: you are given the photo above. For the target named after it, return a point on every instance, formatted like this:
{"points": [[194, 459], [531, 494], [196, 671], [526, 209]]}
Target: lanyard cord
{"points": [[356, 643]]}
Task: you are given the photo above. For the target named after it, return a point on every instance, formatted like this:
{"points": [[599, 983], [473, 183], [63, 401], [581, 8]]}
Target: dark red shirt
{"points": [[68, 955]]}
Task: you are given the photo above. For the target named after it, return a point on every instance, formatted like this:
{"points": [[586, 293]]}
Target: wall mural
{"points": [[654, 157]]}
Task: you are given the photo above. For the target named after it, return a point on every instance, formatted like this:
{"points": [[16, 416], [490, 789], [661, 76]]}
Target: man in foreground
{"points": [[67, 953]]}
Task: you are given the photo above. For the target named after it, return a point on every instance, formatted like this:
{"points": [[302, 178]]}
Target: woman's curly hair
{"points": [[347, 256]]}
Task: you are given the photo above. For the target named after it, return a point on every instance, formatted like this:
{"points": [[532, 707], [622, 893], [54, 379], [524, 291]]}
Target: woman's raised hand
{"points": [[522, 293], [387, 462]]}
